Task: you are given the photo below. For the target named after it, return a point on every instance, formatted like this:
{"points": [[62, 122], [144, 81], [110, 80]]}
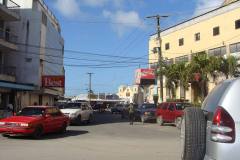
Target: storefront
{"points": [[9, 101]]}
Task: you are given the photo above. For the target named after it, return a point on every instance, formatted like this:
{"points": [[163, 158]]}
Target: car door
{"points": [[164, 111], [57, 118], [171, 112], [84, 112], [48, 121]]}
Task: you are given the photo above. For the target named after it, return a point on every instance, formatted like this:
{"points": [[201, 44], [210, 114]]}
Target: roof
{"points": [[222, 6]]}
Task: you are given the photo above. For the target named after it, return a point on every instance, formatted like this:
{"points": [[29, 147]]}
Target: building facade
{"points": [[128, 92], [216, 32]]}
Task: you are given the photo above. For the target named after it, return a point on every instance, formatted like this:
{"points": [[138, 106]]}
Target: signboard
{"points": [[145, 77], [53, 81]]}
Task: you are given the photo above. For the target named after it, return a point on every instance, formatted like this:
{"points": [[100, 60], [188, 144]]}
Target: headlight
{"points": [[24, 125], [2, 123], [147, 113]]}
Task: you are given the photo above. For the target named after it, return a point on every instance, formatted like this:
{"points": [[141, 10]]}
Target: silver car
{"points": [[213, 132]]}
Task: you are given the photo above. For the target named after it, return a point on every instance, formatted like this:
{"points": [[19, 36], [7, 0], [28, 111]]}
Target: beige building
{"points": [[217, 32], [127, 92]]}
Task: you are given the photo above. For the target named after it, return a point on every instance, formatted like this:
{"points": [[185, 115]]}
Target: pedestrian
{"points": [[131, 113]]}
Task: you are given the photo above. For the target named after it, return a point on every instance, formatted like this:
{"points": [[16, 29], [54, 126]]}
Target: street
{"points": [[109, 138]]}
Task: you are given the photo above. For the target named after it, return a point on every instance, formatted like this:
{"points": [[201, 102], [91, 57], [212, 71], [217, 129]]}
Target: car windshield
{"points": [[72, 106], [148, 106], [182, 106], [31, 112]]}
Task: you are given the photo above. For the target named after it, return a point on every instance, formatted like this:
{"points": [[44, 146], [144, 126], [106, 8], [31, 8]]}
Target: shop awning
{"points": [[17, 86]]}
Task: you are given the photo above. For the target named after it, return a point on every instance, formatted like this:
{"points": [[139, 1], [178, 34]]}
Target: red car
{"points": [[34, 121], [171, 112]]}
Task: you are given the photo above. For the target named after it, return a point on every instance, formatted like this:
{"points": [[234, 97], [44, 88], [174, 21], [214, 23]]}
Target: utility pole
{"points": [[160, 58], [90, 87]]}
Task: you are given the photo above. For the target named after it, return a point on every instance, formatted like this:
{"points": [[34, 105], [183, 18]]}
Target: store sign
{"points": [[53, 81], [145, 77]]}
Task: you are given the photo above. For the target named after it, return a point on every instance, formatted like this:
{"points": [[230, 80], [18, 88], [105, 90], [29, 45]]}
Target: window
{"points": [[197, 37], [44, 19], [237, 24], [234, 48], [182, 59], [171, 107], [217, 51], [167, 46], [216, 31], [181, 42], [164, 106]]}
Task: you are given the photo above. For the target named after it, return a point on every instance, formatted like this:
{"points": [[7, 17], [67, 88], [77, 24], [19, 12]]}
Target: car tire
{"points": [[160, 120], [90, 119], [193, 134], [79, 120], [63, 129], [5, 135], [38, 132], [178, 122]]}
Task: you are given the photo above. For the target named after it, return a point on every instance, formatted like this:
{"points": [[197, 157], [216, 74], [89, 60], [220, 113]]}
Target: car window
{"points": [[182, 106], [171, 107], [148, 106], [31, 112], [164, 106], [213, 98]]}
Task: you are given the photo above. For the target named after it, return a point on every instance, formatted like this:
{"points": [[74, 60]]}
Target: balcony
{"points": [[7, 73], [9, 10], [8, 40]]}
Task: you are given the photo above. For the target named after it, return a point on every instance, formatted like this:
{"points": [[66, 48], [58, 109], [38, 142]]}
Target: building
{"points": [[216, 32], [128, 92], [9, 86], [40, 52]]}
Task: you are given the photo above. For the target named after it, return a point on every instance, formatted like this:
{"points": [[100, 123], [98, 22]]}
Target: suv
{"points": [[78, 112], [145, 112], [213, 132], [171, 112]]}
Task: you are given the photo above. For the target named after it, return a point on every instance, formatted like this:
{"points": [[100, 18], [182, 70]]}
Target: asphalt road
{"points": [[109, 138]]}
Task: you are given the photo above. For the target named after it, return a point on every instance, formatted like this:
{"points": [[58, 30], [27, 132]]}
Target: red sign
{"points": [[145, 76], [53, 81]]}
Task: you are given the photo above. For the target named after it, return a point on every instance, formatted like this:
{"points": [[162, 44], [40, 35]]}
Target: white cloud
{"points": [[100, 3], [68, 8], [207, 5], [123, 21]]}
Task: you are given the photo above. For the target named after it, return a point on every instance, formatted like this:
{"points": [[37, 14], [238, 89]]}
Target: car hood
{"points": [[21, 119], [70, 111]]}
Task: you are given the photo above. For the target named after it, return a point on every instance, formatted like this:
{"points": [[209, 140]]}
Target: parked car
{"points": [[117, 109], [78, 112], [171, 112], [34, 121], [213, 132], [146, 112]]}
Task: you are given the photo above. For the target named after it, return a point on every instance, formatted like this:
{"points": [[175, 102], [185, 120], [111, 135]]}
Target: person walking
{"points": [[131, 113]]}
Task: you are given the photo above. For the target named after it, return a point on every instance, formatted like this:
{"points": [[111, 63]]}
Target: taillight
{"points": [[223, 127]]}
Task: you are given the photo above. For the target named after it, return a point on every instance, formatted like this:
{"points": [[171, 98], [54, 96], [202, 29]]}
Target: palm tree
{"points": [[229, 66]]}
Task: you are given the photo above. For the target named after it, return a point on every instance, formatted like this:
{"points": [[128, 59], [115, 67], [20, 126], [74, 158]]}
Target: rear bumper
{"points": [[149, 117], [17, 131]]}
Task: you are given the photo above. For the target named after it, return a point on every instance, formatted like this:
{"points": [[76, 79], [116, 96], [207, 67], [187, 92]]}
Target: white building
{"points": [[40, 51]]}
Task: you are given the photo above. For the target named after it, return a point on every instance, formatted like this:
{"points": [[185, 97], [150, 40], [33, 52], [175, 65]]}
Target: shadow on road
{"points": [[69, 133]]}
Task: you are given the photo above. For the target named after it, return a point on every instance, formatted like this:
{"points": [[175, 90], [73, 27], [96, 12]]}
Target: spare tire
{"points": [[193, 134]]}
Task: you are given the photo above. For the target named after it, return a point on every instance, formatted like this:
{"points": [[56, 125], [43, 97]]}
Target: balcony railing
{"points": [[8, 36], [7, 70], [10, 4]]}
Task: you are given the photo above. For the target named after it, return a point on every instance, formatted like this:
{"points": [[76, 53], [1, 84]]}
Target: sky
{"points": [[111, 37]]}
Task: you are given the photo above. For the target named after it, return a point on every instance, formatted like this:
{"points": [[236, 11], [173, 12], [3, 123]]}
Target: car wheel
{"points": [[63, 128], [79, 120], [5, 135], [193, 134], [178, 122], [90, 119], [38, 132], [160, 120]]}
